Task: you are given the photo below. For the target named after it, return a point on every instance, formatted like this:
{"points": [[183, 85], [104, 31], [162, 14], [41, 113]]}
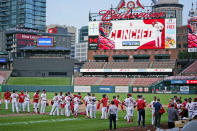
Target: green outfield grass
{"points": [[51, 123], [39, 81]]}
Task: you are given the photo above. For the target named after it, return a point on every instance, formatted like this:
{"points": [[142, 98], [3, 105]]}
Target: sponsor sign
{"points": [[125, 70], [45, 42], [133, 34], [82, 89], [3, 60], [192, 35], [121, 89], [135, 89], [191, 81], [105, 89], [184, 89], [146, 89], [140, 89], [178, 81]]}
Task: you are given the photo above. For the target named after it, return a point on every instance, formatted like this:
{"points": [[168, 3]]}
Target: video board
{"points": [[132, 34]]}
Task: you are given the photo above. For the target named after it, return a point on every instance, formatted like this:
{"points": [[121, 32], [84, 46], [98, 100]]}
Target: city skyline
{"points": [[67, 12]]}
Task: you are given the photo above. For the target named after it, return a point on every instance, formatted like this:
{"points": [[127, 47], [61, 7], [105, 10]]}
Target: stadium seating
{"points": [[4, 76], [88, 81], [145, 81], [126, 65], [192, 69], [115, 81], [164, 64], [93, 65]]}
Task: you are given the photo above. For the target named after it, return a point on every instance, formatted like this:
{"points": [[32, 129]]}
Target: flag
{"points": [[139, 4], [120, 5]]}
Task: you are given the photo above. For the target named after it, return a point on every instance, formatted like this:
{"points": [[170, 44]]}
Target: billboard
{"points": [[45, 42], [3, 60], [24, 40], [192, 35], [132, 34]]}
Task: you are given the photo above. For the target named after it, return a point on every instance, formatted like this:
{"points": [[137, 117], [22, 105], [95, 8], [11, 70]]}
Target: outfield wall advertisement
{"points": [[132, 34]]}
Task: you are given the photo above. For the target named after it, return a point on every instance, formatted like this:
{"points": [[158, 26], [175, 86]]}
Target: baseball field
{"points": [[30, 122]]}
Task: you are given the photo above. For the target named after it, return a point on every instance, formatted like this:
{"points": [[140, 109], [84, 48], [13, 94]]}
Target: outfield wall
{"points": [[91, 89]]}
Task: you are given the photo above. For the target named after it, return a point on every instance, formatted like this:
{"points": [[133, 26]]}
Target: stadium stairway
{"points": [[192, 69], [4, 75], [131, 82]]}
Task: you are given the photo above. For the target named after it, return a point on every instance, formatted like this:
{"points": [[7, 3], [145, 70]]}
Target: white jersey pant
{"points": [[117, 114], [104, 113], [89, 110], [158, 39], [76, 109], [6, 104], [129, 113], [27, 103], [14, 105], [62, 109], [55, 108], [190, 114], [67, 110], [21, 105], [36, 106], [94, 110], [153, 117], [43, 106]]}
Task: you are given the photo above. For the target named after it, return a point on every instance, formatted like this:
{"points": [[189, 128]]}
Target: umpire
{"points": [[112, 115]]}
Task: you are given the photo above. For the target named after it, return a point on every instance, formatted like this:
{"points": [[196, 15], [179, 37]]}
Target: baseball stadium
{"points": [[137, 54]]}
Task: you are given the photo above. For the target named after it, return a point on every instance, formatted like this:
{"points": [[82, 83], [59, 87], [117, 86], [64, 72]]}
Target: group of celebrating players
{"points": [[69, 103]]}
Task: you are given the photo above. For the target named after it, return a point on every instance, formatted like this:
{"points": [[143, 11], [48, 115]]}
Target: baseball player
{"points": [[55, 107], [158, 26], [88, 100], [194, 108], [104, 101], [7, 95], [67, 106], [153, 109], [36, 103], [0, 100], [43, 102], [188, 106], [130, 104], [94, 104], [27, 101], [117, 98], [21, 102], [62, 105], [14, 98], [76, 101], [116, 102]]}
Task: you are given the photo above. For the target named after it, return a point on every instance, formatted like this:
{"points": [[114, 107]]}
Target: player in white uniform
{"points": [[61, 105], [94, 104], [76, 101], [194, 108], [27, 101], [67, 106], [153, 109], [88, 100], [14, 97], [158, 27], [130, 105], [43, 102], [188, 106], [55, 107]]}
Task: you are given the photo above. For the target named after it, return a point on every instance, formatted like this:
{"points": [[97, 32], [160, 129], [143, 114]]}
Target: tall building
{"points": [[172, 8], [27, 14], [83, 34], [81, 51]]}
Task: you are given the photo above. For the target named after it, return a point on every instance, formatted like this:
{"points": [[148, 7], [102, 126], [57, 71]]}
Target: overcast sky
{"points": [[75, 12]]}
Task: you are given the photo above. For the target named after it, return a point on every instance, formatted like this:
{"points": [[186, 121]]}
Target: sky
{"points": [[75, 12]]}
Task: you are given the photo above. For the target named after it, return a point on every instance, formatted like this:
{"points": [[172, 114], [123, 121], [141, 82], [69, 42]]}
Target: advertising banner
{"points": [[82, 89], [191, 81], [132, 34], [45, 42], [121, 89], [3, 60], [105, 89], [184, 89], [192, 35], [178, 81]]}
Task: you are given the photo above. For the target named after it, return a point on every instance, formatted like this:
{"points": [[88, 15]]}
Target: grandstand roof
{"points": [[45, 48], [101, 56]]}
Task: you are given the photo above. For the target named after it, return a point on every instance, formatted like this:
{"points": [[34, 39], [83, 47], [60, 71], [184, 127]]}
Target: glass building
{"points": [[83, 34], [27, 14]]}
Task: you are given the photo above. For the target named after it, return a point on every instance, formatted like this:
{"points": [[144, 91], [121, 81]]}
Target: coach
{"points": [[157, 107], [141, 112]]}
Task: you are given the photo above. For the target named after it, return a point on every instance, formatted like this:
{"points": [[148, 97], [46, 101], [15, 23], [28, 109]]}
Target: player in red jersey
{"points": [[35, 101], [21, 102], [116, 102], [141, 112], [0, 100], [104, 108], [7, 95]]}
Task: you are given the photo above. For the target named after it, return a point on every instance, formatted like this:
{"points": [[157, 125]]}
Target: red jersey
{"points": [[116, 102], [7, 95], [104, 101], [184, 103], [21, 98], [175, 105], [140, 104], [36, 98]]}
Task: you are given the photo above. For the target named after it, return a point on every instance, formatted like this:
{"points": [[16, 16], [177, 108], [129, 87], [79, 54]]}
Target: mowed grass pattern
{"points": [[81, 123], [39, 81]]}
